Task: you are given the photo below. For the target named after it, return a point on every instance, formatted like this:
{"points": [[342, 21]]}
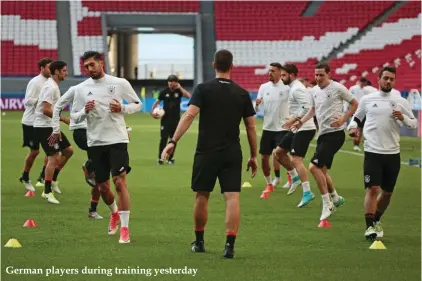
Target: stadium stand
{"points": [[262, 32], [388, 43], [86, 20], [29, 32]]}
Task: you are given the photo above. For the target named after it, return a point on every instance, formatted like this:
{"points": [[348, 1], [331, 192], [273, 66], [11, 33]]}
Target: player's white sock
{"points": [[276, 181], [326, 199], [124, 218], [334, 195], [113, 207], [293, 173], [306, 186], [268, 179]]}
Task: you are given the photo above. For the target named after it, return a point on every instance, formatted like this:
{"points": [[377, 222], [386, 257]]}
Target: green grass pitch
{"points": [[277, 240]]}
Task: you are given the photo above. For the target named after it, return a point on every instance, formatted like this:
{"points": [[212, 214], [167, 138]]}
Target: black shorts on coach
{"points": [[327, 146], [226, 165], [43, 133], [269, 141], [106, 159], [381, 170], [297, 144], [30, 138]]}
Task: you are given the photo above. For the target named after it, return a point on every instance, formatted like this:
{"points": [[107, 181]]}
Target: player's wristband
{"points": [[172, 141]]}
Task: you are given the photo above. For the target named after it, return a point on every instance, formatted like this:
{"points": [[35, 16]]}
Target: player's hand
{"points": [[115, 106], [338, 122], [155, 115], [296, 126], [89, 106], [252, 164], [398, 115], [66, 120], [54, 138], [354, 132], [177, 86], [167, 151], [288, 124], [258, 101]]}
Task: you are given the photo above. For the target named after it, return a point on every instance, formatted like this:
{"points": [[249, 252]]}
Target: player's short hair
{"points": [[91, 54], [173, 78], [276, 64], [57, 65], [43, 62], [363, 80], [388, 68], [290, 68], [323, 65], [223, 60]]}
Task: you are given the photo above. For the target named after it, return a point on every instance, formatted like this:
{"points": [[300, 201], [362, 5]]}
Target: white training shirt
{"points": [[357, 91], [328, 103], [32, 93], [381, 131], [77, 105], [275, 98], [103, 126], [369, 90], [50, 93], [300, 103]]}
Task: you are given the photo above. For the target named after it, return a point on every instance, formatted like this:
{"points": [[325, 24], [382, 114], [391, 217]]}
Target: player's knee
{"points": [[373, 191], [312, 168], [297, 160], [120, 182], [34, 153], [103, 187], [68, 152]]}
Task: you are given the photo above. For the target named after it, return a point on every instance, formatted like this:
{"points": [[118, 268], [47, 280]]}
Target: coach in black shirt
{"points": [[171, 97], [223, 105]]}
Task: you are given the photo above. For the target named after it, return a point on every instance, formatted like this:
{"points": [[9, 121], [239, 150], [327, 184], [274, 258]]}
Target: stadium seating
{"points": [[261, 32], [257, 39], [387, 43], [28, 33], [86, 20]]}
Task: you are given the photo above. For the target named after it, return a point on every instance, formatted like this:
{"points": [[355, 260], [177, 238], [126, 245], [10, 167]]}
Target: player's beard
{"points": [[287, 81], [95, 76], [386, 90]]}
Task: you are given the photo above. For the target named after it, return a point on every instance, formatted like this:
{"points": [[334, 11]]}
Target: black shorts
{"points": [[168, 128], [269, 141], [226, 165], [381, 170], [79, 136], [106, 159], [327, 146], [29, 138], [43, 133], [298, 143]]}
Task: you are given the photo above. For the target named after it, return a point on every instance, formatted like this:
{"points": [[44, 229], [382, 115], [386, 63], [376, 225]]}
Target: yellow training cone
{"points": [[377, 245], [13, 243], [247, 184]]}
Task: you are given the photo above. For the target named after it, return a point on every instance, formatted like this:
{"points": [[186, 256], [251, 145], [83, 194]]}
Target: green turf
{"points": [[277, 241]]}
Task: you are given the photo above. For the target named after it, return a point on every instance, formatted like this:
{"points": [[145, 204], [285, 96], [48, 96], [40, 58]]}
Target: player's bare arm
{"points": [[185, 93], [154, 105], [251, 133], [47, 111], [310, 114], [182, 127]]}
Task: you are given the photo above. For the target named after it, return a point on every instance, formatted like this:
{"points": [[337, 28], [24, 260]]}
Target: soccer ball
{"points": [[159, 111]]}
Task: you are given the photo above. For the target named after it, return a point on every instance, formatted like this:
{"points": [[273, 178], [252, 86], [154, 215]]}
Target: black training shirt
{"points": [[222, 105], [171, 102]]}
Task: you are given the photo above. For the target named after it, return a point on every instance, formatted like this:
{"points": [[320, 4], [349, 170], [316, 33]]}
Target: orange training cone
{"points": [[30, 223], [325, 224], [30, 194]]}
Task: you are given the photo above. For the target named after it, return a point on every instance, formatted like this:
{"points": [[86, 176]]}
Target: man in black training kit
{"points": [[223, 105], [171, 97]]}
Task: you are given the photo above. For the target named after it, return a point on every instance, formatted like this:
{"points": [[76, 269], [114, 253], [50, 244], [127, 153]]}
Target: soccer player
{"points": [[296, 143], [327, 101], [222, 105], [49, 95], [385, 113], [107, 135], [358, 91], [171, 97], [80, 138], [29, 138], [273, 96]]}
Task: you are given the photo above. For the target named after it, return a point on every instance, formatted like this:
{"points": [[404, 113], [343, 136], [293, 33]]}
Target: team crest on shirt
{"points": [[111, 89], [167, 95], [330, 94], [56, 145], [268, 94], [367, 178], [393, 105], [281, 93], [176, 95]]}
